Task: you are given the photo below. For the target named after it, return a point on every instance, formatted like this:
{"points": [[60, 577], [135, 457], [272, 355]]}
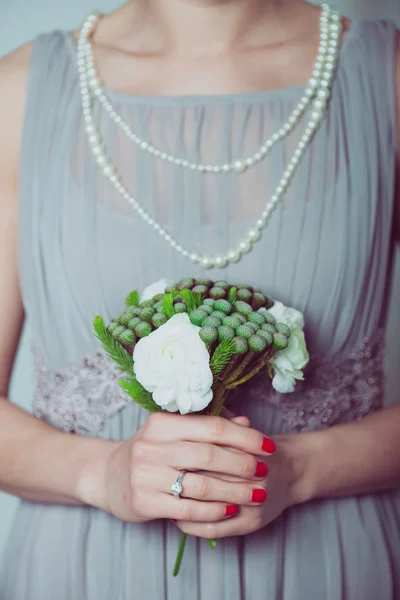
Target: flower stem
{"points": [[180, 554]]}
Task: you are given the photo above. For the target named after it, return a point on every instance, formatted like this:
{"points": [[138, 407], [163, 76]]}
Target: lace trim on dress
{"points": [[84, 395]]}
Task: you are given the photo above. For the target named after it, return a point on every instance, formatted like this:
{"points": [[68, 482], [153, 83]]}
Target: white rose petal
{"points": [[155, 288], [288, 363], [174, 364]]}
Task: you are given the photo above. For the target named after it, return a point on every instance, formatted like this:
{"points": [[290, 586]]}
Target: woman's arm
{"points": [[354, 458], [37, 462]]}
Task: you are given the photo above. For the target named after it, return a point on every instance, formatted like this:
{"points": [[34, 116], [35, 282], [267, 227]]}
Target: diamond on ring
{"points": [[176, 488]]}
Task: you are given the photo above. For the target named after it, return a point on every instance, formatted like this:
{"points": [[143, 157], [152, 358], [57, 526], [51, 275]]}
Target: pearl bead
{"points": [[254, 235], [240, 166], [245, 246], [233, 256], [206, 262], [194, 258], [220, 261]]}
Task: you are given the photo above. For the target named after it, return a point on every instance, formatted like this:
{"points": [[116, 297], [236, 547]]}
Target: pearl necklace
{"points": [[85, 59], [331, 49]]}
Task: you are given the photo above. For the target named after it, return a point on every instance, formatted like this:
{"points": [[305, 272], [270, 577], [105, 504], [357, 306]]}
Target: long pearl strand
{"points": [[238, 165], [331, 49]]}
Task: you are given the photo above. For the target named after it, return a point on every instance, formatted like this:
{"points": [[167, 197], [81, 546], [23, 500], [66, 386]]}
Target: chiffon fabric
{"points": [[327, 251]]}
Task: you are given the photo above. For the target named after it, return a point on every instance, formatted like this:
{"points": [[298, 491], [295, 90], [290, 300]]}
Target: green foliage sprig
{"points": [[115, 351], [168, 305], [132, 299], [222, 355], [136, 391]]}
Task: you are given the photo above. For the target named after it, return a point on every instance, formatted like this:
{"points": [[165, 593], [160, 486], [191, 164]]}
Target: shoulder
{"points": [[13, 83]]}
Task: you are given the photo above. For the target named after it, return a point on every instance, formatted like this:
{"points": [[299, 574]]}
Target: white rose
{"points": [[173, 364], [288, 363], [155, 288]]}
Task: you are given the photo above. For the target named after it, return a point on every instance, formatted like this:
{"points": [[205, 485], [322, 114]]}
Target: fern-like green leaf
{"points": [[189, 299], [198, 298], [168, 305], [221, 357], [232, 295], [137, 392], [115, 351], [132, 299]]}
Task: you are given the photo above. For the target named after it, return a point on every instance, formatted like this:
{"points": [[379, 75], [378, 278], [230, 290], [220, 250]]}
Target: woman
{"points": [[206, 84]]}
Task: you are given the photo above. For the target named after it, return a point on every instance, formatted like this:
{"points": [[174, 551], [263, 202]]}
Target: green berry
{"points": [[223, 306], [258, 301], [207, 308], [244, 331], [158, 305], [269, 317], [113, 326], [266, 335], [268, 327], [147, 313], [159, 319], [244, 295], [177, 298], [185, 284], [243, 308], [232, 321], [225, 333], [244, 287], [257, 343], [222, 284], [197, 317], [147, 303], [133, 322], [241, 345], [254, 326], [282, 328], [201, 290], [170, 289], [205, 282], [212, 321], [217, 293], [117, 332], [180, 307], [256, 318], [209, 301], [219, 314], [208, 334], [127, 337], [130, 310], [158, 297], [239, 316], [124, 319], [143, 329], [280, 341], [135, 311]]}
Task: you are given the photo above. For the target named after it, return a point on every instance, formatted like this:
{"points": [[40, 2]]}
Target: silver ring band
{"points": [[176, 488]]}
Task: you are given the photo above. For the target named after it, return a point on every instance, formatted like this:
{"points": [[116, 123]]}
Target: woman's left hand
{"points": [[281, 486]]}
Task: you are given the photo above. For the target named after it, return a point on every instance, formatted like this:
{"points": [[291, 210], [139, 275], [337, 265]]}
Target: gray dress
{"points": [[327, 251]]}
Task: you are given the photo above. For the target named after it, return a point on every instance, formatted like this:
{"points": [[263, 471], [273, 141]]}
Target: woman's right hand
{"points": [[140, 471]]}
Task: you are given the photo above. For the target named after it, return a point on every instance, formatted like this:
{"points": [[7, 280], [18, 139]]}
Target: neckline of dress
{"points": [[252, 97]]}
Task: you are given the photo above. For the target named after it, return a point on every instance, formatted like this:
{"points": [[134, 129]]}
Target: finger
{"points": [[185, 509], [198, 486], [242, 524], [243, 421], [194, 456], [213, 430]]}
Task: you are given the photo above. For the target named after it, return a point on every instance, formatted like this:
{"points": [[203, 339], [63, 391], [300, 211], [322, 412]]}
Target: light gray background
{"points": [[21, 20]]}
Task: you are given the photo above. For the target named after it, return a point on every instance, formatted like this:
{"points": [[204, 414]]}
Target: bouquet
{"points": [[183, 347]]}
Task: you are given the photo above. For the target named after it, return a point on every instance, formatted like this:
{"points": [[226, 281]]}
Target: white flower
{"points": [[288, 363], [155, 288], [173, 364]]}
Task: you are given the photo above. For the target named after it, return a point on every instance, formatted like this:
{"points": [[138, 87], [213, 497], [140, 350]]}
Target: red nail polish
{"points": [[259, 495], [262, 469], [268, 446], [231, 510]]}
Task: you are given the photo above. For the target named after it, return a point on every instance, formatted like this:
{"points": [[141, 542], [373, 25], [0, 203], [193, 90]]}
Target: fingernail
{"points": [[262, 469], [259, 495], [231, 510], [268, 446]]}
